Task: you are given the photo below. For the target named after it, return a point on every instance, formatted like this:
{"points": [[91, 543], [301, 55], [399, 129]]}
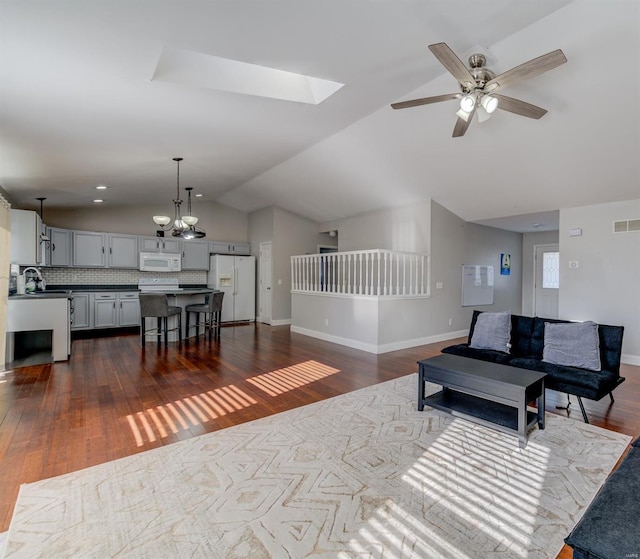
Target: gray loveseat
{"points": [[526, 352]]}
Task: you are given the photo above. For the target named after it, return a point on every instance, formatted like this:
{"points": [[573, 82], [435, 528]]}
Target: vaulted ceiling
{"points": [[83, 102]]}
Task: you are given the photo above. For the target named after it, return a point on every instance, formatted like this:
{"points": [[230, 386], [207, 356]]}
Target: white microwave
{"points": [[160, 262]]}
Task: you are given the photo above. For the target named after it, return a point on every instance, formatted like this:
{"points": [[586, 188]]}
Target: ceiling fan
{"points": [[479, 86]]}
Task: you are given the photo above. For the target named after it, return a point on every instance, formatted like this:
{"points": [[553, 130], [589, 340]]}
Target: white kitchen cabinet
{"points": [[88, 249], [26, 248], [123, 251], [195, 255], [128, 309], [159, 244], [59, 247], [226, 247], [104, 310], [80, 311]]}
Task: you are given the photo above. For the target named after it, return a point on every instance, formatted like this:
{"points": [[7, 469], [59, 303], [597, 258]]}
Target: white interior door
{"points": [[547, 284], [264, 309]]}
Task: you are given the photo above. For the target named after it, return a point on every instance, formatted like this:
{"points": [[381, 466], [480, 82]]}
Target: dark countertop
{"points": [[122, 287], [40, 295]]}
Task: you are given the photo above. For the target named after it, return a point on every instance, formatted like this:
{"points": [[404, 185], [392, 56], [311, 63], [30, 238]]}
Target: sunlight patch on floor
{"points": [[287, 379], [496, 495], [156, 423]]}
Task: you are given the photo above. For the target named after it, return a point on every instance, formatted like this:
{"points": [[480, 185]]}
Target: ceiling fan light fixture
{"points": [[467, 102], [489, 103], [464, 115], [189, 219]]}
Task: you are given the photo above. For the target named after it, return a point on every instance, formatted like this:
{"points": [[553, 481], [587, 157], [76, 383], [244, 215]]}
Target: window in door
{"points": [[551, 270]]}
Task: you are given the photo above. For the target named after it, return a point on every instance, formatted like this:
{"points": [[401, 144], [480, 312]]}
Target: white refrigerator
{"points": [[236, 276]]}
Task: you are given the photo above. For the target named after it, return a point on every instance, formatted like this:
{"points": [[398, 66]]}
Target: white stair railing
{"points": [[374, 272]]}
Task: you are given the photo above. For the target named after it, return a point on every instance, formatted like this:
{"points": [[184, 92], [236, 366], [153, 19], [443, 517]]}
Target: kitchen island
{"points": [[179, 298]]}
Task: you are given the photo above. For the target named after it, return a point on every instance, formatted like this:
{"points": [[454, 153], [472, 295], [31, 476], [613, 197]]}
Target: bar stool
{"points": [[156, 305], [212, 309]]}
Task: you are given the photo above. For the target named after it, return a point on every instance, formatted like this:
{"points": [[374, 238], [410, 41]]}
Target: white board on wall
{"points": [[477, 285]]}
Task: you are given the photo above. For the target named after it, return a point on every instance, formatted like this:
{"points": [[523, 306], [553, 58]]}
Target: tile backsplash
{"points": [[113, 276]]}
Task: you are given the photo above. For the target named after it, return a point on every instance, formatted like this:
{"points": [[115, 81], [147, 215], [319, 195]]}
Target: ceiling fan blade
{"points": [[527, 70], [425, 101], [461, 125], [453, 64], [519, 107]]}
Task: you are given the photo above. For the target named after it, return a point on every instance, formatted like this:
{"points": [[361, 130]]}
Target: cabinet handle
{"points": [[120, 304], [114, 305], [102, 250], [110, 250], [53, 246]]}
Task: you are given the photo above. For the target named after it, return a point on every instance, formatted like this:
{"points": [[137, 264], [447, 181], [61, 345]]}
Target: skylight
{"points": [[213, 72]]}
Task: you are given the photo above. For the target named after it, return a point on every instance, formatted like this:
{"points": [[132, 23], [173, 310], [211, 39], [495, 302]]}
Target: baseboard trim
{"points": [[405, 344], [384, 348], [630, 359], [280, 322]]}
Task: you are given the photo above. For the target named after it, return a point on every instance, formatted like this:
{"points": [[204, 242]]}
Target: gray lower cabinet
{"points": [[80, 311], [104, 310], [195, 255], [128, 309], [59, 247], [115, 310]]}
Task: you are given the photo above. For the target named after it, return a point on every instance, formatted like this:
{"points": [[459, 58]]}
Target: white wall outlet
{"points": [[326, 322], [439, 285], [574, 264], [451, 322], [279, 282]]}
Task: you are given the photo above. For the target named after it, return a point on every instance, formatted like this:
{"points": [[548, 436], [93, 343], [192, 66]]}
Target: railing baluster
{"points": [[373, 272]]}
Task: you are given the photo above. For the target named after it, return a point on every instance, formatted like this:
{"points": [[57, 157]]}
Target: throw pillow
{"points": [[575, 344], [492, 331]]}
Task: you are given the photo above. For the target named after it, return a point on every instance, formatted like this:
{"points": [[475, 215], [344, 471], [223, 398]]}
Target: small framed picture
{"points": [[505, 264]]}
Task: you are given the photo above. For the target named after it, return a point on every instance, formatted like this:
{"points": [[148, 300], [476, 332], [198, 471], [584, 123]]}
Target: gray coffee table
{"points": [[489, 394]]}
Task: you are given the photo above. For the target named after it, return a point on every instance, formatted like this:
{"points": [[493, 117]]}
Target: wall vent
{"points": [[626, 226]]}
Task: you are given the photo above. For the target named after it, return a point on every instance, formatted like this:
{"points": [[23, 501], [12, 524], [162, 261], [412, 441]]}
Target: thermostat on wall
{"points": [[577, 232]]}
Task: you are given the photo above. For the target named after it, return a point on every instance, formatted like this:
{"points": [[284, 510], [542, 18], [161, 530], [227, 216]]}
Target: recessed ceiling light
{"points": [[98, 201], [198, 195], [101, 187]]}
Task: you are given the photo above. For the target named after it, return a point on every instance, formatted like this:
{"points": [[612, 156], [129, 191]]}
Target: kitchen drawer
{"points": [[104, 296]]}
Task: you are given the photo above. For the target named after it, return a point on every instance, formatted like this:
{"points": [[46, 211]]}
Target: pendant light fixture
{"points": [[182, 226], [191, 232]]}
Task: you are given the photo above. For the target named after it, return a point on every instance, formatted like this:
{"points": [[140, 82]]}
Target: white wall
{"points": [[404, 229], [529, 242], [605, 285], [395, 323]]}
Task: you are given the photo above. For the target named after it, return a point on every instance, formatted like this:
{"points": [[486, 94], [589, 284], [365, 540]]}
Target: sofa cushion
{"points": [[609, 526], [573, 380], [463, 350], [492, 331], [575, 344]]}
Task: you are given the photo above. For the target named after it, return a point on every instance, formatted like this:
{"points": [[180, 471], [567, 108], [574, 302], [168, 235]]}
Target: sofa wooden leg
{"points": [[584, 413]]}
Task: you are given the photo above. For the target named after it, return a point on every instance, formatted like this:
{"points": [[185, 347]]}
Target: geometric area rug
{"points": [[361, 475]]}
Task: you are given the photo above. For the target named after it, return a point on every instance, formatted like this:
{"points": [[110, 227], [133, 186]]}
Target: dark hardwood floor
{"points": [[113, 399]]}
